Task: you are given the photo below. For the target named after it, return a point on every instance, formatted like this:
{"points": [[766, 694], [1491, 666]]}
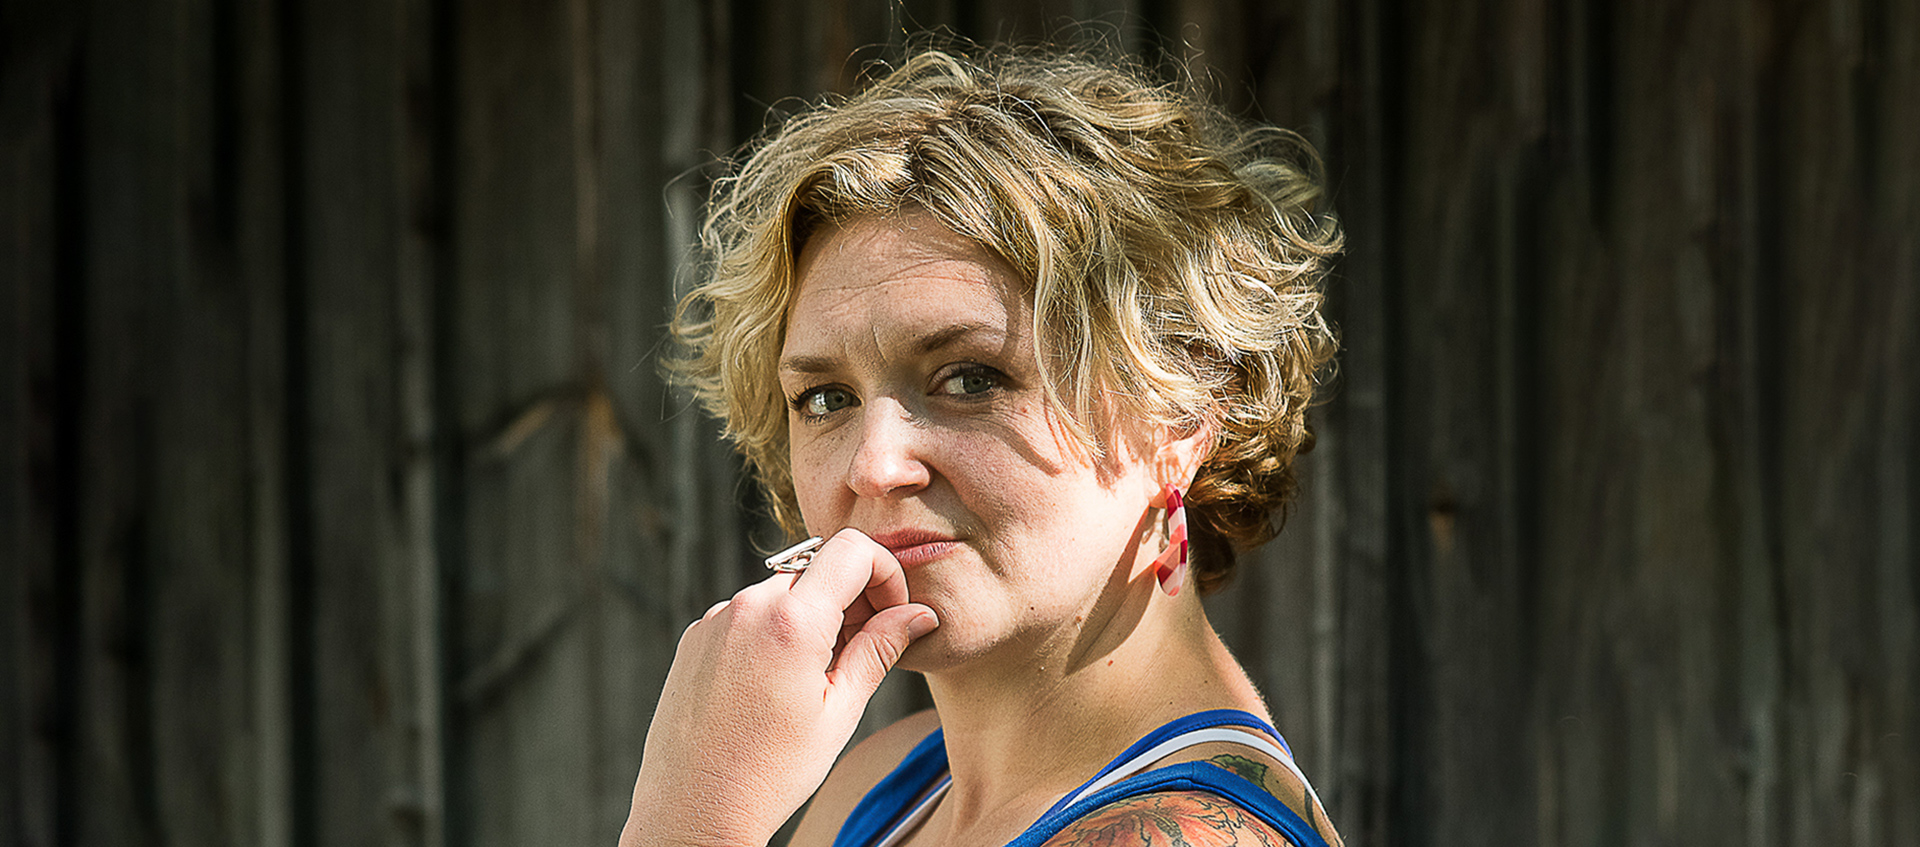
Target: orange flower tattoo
{"points": [[1169, 819]]}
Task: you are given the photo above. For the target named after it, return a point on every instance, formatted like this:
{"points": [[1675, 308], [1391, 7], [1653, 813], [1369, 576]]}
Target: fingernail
{"points": [[922, 624]]}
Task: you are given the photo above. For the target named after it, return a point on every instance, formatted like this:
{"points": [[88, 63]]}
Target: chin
{"points": [[911, 660], [940, 650], [931, 654]]}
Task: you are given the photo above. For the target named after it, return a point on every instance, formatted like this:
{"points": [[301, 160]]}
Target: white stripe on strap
{"points": [[1228, 734], [921, 811]]}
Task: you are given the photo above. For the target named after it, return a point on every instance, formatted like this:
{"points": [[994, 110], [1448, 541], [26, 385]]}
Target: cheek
{"points": [[1004, 488], [814, 480]]}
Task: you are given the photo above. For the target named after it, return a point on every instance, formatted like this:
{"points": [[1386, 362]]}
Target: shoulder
{"points": [[1200, 818], [858, 770], [1169, 819]]}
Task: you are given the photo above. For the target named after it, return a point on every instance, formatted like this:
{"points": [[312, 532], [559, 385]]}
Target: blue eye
{"points": [[971, 381], [820, 402]]}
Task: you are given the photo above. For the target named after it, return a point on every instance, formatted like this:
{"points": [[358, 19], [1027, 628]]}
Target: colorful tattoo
{"points": [[1287, 790], [1251, 770], [1169, 819]]}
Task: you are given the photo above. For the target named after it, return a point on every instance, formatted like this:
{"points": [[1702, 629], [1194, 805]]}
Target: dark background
{"points": [[341, 502]]}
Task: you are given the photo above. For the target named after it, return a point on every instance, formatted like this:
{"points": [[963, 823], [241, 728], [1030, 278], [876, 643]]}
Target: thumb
{"points": [[872, 651]]}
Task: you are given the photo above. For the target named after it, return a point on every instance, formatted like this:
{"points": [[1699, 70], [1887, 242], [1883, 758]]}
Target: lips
{"points": [[915, 546]]}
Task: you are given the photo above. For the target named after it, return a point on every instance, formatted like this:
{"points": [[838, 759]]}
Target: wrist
{"points": [[674, 818], [643, 830]]}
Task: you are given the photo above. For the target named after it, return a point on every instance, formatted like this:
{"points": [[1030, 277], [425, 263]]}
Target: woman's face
{"points": [[917, 416]]}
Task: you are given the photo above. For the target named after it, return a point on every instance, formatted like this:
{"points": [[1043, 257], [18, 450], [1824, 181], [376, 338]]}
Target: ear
{"points": [[1178, 456]]}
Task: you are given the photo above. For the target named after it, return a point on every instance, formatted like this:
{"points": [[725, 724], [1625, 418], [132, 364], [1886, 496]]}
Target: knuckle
{"points": [[788, 622], [852, 538], [749, 601], [687, 637], [885, 652]]}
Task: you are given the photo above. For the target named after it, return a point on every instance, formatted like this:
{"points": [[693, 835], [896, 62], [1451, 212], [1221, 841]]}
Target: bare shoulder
{"points": [[1200, 818], [1277, 780], [858, 770], [1169, 819]]}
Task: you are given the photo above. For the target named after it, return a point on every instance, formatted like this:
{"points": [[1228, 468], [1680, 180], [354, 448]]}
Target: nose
{"points": [[886, 460]]}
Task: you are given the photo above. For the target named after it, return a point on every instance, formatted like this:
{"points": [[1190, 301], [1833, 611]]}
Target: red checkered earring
{"points": [[1171, 565]]}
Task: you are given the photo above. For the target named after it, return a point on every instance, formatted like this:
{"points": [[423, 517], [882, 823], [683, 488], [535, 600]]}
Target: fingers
{"points": [[874, 650], [848, 566], [854, 594]]}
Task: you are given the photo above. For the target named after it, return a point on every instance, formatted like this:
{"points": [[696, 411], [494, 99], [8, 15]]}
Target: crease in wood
{"points": [[491, 677], [1637, 568]]}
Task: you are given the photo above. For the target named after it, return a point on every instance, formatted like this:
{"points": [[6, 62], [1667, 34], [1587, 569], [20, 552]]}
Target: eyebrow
{"points": [[929, 343]]}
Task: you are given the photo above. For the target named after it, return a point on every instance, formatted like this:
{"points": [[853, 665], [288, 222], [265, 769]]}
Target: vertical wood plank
{"points": [[1463, 585], [39, 231], [1362, 146], [519, 667], [421, 106], [260, 263], [1890, 175], [1845, 310], [366, 348], [199, 599], [196, 589], [27, 505], [108, 464], [1609, 535], [1634, 523], [631, 616], [1750, 390], [129, 94], [165, 668]]}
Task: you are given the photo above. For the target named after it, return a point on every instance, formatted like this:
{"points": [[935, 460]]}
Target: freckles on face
{"points": [[908, 349], [918, 416], [917, 403]]}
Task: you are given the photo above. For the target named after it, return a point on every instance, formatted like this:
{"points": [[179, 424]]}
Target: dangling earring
{"points": [[1171, 565]]}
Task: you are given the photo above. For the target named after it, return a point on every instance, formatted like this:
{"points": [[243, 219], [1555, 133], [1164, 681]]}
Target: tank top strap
{"points": [[1174, 736], [1185, 776], [902, 799], [899, 799]]}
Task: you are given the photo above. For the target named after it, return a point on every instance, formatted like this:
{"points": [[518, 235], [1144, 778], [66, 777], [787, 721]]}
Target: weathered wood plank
{"points": [[130, 95], [366, 349], [141, 577], [39, 359], [423, 104], [260, 216], [1747, 390], [1461, 583], [521, 672], [1636, 695], [1845, 319], [1889, 175], [1753, 434], [624, 500], [188, 590], [1345, 482], [1609, 536]]}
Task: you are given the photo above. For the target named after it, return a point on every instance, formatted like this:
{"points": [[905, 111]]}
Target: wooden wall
{"points": [[341, 501]]}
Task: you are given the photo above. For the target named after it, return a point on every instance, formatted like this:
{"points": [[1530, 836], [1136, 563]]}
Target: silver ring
{"points": [[796, 558]]}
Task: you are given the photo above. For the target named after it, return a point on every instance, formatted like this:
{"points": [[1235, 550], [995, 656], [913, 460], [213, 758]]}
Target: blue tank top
{"points": [[904, 797]]}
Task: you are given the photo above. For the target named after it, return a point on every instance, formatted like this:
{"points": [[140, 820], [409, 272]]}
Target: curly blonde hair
{"points": [[1175, 256]]}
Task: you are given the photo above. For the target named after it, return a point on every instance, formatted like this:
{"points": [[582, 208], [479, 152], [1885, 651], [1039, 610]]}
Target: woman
{"points": [[1003, 332]]}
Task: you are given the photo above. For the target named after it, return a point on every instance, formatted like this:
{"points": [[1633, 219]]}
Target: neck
{"points": [[1111, 681]]}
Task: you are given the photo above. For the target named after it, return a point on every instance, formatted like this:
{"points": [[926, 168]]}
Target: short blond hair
{"points": [[1175, 255]]}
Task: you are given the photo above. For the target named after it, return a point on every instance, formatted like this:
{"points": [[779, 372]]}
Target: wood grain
{"points": [[343, 501]]}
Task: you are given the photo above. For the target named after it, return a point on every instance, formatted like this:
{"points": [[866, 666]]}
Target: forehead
{"points": [[905, 272]]}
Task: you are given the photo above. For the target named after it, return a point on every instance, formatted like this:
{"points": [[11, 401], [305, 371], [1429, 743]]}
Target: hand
{"points": [[764, 693]]}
